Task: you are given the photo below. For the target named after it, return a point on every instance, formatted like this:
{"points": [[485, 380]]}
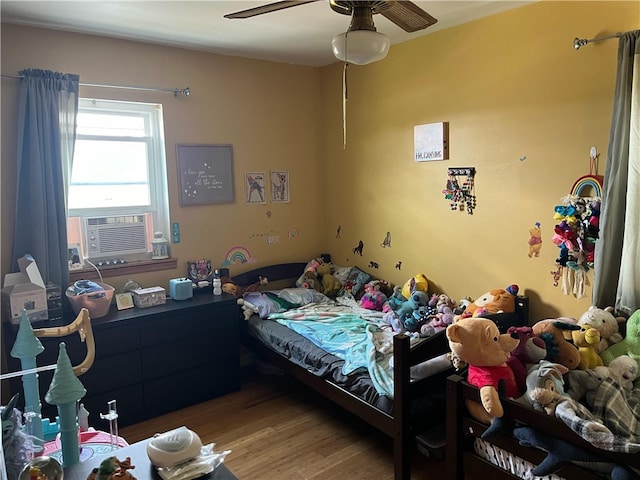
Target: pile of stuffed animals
{"points": [[572, 350], [544, 364]]}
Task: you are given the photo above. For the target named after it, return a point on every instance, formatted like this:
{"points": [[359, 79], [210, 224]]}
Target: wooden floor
{"points": [[277, 429]]}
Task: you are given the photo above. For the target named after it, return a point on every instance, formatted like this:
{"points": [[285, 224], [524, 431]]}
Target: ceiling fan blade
{"points": [[268, 8], [408, 16]]}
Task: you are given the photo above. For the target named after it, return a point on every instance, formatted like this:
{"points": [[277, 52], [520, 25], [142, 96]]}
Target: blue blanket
{"points": [[345, 335]]}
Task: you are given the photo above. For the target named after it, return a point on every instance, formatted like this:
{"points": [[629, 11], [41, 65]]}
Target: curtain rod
{"points": [[581, 42], [184, 91]]}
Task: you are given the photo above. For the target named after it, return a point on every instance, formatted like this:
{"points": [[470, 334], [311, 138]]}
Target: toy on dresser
{"points": [[229, 286]]}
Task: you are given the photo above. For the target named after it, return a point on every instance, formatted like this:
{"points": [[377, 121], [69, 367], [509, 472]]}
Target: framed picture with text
{"points": [[205, 174]]}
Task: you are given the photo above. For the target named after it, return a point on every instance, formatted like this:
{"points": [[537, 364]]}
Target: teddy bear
{"points": [[630, 345], [330, 284], [603, 320], [498, 300], [622, 369], [585, 339], [529, 352], [559, 348], [479, 343], [535, 241], [308, 278]]}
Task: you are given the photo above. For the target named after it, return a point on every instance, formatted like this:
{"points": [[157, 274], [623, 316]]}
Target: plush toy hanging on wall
{"points": [[577, 230]]}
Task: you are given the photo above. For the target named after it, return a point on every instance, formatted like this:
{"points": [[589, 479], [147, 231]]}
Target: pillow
{"points": [[354, 283], [264, 304], [302, 296], [341, 273]]}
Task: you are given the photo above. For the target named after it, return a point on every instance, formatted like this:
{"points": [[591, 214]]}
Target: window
{"points": [[117, 192]]}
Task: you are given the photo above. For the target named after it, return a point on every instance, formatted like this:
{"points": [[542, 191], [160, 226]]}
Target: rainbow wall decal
{"points": [[588, 181], [237, 255]]}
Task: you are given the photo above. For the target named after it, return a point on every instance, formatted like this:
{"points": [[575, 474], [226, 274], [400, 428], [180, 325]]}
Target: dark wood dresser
{"points": [[150, 360]]}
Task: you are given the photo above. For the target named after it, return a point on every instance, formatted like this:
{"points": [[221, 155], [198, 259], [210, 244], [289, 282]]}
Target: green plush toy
{"points": [[630, 345]]}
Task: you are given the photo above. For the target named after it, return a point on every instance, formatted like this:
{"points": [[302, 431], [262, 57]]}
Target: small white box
{"points": [[25, 290], [149, 297]]}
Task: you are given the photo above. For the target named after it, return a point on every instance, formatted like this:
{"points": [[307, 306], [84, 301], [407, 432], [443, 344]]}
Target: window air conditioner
{"points": [[115, 236]]}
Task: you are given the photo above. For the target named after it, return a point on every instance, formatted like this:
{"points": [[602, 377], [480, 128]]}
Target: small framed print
{"points": [[75, 257], [279, 187], [124, 300], [254, 184]]}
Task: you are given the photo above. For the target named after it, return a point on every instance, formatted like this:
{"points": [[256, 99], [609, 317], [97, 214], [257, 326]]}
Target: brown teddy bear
{"points": [[330, 284], [478, 342]]}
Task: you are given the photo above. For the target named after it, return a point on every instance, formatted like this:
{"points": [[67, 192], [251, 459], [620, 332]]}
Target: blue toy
{"points": [[405, 312], [560, 453]]}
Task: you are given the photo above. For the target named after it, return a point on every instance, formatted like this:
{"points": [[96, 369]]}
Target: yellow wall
{"points": [[269, 112], [511, 86]]}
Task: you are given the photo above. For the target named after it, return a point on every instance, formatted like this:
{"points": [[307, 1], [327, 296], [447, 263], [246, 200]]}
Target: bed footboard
{"points": [[462, 430]]}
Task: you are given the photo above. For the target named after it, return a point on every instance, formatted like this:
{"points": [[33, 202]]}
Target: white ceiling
{"points": [[299, 35]]}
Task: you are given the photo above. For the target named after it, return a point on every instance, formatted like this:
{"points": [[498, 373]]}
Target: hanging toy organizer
{"points": [[577, 229], [460, 189]]}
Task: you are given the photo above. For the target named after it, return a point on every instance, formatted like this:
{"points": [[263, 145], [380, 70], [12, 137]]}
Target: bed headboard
{"points": [[280, 276]]}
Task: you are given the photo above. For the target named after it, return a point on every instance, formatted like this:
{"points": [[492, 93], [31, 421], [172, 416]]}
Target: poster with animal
{"points": [[254, 185], [280, 187]]}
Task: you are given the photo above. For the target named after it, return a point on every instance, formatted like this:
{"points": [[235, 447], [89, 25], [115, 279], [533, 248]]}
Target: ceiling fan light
{"points": [[360, 46]]}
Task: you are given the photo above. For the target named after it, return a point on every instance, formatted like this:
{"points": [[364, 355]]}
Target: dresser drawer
{"points": [[173, 392], [178, 356], [109, 340], [108, 374], [187, 324]]}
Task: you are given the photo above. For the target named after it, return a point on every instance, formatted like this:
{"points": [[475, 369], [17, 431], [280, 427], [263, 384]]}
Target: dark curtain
{"points": [[47, 109], [617, 255]]}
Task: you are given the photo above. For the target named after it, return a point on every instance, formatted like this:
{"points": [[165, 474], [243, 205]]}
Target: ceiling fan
{"points": [[361, 43]]}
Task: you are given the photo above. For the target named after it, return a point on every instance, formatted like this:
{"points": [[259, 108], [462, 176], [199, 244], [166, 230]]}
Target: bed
{"points": [[415, 401], [600, 453], [399, 416]]}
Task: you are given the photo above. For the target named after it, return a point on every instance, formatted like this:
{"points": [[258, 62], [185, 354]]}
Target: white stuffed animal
{"points": [[248, 308], [622, 369], [602, 319]]}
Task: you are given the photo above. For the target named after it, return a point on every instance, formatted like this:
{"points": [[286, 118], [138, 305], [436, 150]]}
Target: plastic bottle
{"points": [[217, 283]]}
